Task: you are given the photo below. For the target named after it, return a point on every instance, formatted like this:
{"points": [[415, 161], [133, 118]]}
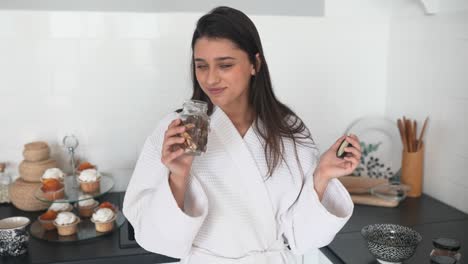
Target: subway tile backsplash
{"points": [[108, 77]]}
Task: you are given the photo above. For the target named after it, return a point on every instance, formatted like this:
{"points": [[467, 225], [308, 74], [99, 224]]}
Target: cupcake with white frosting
{"points": [[104, 219], [89, 180], [53, 189], [61, 206], [53, 173], [86, 205], [66, 223]]}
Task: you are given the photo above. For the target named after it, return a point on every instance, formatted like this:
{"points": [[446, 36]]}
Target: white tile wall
{"points": [[108, 77], [327, 68], [428, 77]]}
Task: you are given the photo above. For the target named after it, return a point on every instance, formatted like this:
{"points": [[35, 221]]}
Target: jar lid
{"points": [[443, 260], [196, 105], [446, 243]]}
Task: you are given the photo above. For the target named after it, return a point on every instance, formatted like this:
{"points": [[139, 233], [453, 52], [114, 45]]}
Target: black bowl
{"points": [[391, 243]]}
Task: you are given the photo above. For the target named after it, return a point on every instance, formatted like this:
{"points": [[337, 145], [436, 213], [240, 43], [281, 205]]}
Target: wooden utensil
{"points": [[405, 132], [422, 133], [402, 134], [415, 135], [409, 135]]}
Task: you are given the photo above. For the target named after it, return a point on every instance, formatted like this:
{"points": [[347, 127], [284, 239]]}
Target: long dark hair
{"points": [[279, 121]]}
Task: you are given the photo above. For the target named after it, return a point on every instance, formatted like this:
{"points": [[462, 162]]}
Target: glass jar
{"points": [[446, 247], [5, 181], [195, 118]]}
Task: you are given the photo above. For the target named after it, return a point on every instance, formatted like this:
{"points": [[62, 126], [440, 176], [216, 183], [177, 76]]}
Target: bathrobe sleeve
{"points": [[311, 223], [149, 205]]}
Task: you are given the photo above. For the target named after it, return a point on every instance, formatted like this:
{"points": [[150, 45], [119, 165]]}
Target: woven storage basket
{"points": [[36, 154], [22, 196], [32, 171], [35, 145]]}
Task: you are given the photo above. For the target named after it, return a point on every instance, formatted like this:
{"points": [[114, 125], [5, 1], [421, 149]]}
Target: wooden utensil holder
{"points": [[412, 171]]}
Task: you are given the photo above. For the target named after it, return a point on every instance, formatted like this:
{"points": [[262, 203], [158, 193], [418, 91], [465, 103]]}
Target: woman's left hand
{"points": [[330, 166]]}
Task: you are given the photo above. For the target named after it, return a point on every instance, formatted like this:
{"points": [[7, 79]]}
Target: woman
{"points": [[259, 194]]}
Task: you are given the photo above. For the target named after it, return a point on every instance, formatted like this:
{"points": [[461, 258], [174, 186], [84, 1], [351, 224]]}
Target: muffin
{"points": [[47, 220], [86, 205], [108, 205], [53, 189], [85, 166], [60, 206], [53, 173], [104, 219], [89, 180], [66, 223]]}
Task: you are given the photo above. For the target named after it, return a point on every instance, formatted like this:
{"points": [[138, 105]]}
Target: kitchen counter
{"points": [[428, 216], [104, 249]]}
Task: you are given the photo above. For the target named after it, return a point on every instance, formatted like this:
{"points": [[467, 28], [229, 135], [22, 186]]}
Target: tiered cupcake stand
{"points": [[86, 228]]}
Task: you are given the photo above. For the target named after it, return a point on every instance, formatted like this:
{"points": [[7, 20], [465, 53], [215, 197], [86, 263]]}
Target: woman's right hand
{"points": [[173, 155]]}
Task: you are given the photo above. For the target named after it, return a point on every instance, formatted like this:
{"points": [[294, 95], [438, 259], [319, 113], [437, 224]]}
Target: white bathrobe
{"points": [[232, 212]]}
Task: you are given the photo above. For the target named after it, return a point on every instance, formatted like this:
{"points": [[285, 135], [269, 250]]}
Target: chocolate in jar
{"points": [[196, 121]]}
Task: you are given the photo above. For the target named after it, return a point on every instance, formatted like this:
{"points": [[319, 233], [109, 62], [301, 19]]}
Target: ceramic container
{"points": [[13, 236], [391, 243]]}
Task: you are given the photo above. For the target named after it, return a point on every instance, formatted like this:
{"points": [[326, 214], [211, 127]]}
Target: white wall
{"points": [[258, 7], [428, 76], [109, 77], [327, 68]]}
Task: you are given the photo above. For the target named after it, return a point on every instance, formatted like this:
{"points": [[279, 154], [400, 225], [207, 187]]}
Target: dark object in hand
{"points": [[341, 153]]}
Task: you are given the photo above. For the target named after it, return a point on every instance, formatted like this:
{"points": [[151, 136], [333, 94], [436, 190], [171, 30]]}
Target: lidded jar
{"points": [[443, 260], [5, 181], [195, 118], [446, 247]]}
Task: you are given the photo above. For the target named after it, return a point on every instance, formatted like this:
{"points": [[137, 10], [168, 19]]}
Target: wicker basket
{"points": [[32, 171], [33, 155], [35, 145], [22, 196], [36, 151]]}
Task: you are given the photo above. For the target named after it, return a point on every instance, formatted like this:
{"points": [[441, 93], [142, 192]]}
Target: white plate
{"points": [[381, 147]]}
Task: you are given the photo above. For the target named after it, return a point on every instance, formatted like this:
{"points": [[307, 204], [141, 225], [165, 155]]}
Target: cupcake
{"points": [[86, 205], [104, 219], [47, 220], [60, 206], [52, 189], [53, 173], [108, 205], [85, 166], [89, 180], [66, 223]]}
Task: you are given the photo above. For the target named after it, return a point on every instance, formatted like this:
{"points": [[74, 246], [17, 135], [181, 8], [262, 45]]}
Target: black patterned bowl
{"points": [[13, 236], [391, 243]]}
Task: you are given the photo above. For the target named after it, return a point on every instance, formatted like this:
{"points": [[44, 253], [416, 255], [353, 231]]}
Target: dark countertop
{"points": [[429, 217], [426, 215], [104, 249]]}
